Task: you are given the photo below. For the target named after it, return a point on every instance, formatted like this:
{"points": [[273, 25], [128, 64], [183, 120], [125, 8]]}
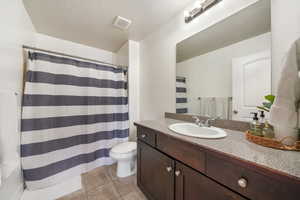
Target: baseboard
{"points": [[55, 191]]}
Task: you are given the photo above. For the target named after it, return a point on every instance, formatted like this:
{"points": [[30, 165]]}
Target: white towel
{"points": [[9, 134], [208, 106], [283, 115], [222, 104]]}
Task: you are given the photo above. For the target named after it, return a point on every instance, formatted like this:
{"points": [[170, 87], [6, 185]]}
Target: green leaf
{"points": [[270, 98], [263, 108], [267, 105]]}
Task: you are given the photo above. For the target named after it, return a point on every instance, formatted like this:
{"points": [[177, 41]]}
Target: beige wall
{"points": [[158, 51]]}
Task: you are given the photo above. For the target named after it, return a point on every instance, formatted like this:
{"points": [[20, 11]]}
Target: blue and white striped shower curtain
{"points": [[73, 113], [181, 95]]}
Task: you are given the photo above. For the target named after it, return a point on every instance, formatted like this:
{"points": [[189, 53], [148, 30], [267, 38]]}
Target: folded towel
{"points": [[283, 115]]}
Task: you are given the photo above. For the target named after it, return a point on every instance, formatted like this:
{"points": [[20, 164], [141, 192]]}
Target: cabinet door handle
{"points": [[144, 136], [169, 169], [177, 172], [242, 182]]}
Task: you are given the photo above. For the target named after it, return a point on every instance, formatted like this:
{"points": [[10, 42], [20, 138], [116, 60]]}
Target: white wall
{"points": [[16, 30], [210, 75], [134, 85], [122, 55], [72, 48], [158, 57], [129, 55], [285, 30]]}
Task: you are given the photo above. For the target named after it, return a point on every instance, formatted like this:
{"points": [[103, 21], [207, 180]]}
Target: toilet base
{"points": [[125, 168]]}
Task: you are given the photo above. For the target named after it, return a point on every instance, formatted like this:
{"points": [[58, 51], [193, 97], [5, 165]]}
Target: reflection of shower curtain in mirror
{"points": [[181, 96], [215, 107]]}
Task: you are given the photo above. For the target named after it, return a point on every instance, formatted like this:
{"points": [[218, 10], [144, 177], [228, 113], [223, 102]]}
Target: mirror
{"points": [[225, 70]]}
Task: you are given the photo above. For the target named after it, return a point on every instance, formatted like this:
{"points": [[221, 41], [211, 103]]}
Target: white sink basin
{"points": [[194, 130]]}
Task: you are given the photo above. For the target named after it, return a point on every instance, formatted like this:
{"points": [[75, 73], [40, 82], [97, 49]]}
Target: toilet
{"points": [[125, 155]]}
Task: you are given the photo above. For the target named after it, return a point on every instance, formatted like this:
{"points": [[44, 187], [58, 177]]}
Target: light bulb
{"points": [[186, 13]]}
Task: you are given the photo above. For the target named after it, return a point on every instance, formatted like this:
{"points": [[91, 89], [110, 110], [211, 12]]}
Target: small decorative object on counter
{"points": [[267, 136], [268, 131], [272, 142], [255, 126]]}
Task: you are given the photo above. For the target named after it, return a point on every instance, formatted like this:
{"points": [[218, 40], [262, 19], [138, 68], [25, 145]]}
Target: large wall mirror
{"points": [[225, 70]]}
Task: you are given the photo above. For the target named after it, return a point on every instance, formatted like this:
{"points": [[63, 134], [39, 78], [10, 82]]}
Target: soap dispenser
{"points": [[262, 117], [255, 126]]}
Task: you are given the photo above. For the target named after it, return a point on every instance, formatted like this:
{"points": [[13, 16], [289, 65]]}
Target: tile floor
{"points": [[103, 184]]}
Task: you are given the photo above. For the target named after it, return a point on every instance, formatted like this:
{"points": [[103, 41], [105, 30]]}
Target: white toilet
{"points": [[125, 155]]}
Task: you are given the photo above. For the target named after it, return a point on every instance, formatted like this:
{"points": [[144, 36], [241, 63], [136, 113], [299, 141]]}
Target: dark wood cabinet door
{"points": [[155, 174], [192, 185]]}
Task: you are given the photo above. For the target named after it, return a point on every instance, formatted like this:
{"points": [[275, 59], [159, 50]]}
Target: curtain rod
{"points": [[72, 56]]}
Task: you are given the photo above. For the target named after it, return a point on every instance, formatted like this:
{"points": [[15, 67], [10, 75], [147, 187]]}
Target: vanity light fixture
{"points": [[199, 8]]}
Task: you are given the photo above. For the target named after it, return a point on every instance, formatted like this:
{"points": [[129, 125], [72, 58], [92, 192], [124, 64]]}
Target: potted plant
{"points": [[266, 106]]}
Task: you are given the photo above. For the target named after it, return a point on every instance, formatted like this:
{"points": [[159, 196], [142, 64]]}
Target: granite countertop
{"points": [[235, 144]]}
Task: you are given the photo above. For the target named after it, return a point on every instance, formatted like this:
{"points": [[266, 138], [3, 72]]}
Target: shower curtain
{"points": [[181, 95], [73, 112]]}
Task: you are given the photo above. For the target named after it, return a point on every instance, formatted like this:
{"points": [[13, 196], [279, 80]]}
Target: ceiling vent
{"points": [[122, 23]]}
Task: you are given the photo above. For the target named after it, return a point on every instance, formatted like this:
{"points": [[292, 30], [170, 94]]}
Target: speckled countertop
{"points": [[235, 144]]}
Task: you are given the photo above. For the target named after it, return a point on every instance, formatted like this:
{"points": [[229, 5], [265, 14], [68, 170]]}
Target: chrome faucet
{"points": [[198, 121], [204, 123], [209, 121]]}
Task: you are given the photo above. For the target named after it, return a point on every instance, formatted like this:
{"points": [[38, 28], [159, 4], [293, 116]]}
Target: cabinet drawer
{"points": [[146, 135], [250, 183], [187, 153]]}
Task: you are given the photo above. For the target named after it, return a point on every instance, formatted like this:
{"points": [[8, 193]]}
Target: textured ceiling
{"points": [[89, 22], [248, 23]]}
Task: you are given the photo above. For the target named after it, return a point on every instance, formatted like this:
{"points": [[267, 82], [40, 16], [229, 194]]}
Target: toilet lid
{"points": [[125, 147]]}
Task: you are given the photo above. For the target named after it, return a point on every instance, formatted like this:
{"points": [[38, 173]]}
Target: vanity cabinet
{"points": [[159, 175], [155, 173], [169, 168]]}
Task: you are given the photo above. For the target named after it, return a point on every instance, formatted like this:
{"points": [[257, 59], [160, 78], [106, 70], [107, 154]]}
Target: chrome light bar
{"points": [[199, 8]]}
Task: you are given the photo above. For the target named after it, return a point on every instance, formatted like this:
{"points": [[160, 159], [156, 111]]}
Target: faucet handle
{"points": [[196, 119], [217, 117]]}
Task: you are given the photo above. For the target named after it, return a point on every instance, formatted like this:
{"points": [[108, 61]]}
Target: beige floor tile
{"points": [[124, 189], [125, 185], [95, 178], [135, 195], [78, 195], [112, 171], [106, 192]]}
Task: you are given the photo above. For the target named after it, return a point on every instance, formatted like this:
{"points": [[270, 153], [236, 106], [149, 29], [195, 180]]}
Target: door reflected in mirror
{"points": [[225, 70]]}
